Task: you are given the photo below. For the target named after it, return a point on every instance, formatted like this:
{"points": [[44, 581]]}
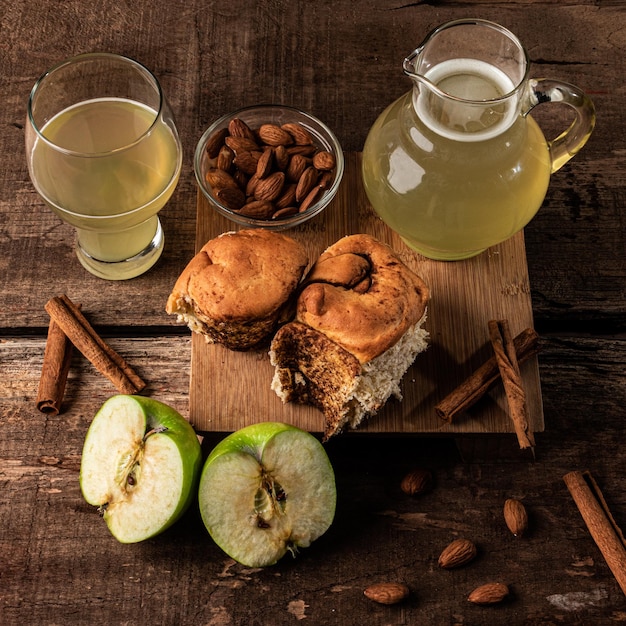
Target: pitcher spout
{"points": [[408, 65]]}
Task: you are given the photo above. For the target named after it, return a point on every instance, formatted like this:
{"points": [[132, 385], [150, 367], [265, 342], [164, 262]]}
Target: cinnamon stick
{"points": [[80, 332], [506, 357], [600, 522], [482, 379], [56, 364]]}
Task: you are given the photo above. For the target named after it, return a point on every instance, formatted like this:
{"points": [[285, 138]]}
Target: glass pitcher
{"points": [[457, 164]]}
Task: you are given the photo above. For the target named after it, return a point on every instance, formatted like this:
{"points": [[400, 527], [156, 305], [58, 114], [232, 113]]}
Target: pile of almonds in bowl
{"points": [[269, 166]]}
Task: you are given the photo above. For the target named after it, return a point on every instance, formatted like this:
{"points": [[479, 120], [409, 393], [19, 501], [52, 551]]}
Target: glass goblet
{"points": [[104, 154]]}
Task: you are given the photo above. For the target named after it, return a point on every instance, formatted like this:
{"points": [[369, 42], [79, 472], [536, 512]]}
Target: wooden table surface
{"points": [[341, 61]]}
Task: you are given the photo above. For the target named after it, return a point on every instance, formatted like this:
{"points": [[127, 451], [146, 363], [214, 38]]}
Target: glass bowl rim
{"points": [[299, 218]]}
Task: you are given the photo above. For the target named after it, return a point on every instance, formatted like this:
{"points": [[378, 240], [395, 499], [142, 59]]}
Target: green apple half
{"points": [[267, 489], [140, 464]]}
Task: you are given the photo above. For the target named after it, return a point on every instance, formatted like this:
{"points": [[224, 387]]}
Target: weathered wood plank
{"points": [[341, 61], [344, 67], [61, 566]]}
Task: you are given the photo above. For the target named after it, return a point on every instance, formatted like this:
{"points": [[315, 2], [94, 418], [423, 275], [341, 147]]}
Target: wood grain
{"points": [[341, 61], [229, 389]]}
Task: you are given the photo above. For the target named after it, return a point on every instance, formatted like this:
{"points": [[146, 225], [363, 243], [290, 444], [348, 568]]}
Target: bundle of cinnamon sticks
{"points": [[68, 329], [509, 352]]}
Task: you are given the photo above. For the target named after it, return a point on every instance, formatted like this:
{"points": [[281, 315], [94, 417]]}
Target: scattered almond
{"points": [[417, 481], [459, 552], [515, 517], [489, 593], [387, 593]]}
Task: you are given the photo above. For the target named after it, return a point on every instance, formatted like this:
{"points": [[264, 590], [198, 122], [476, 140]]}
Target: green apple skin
{"points": [[267, 489], [140, 465]]}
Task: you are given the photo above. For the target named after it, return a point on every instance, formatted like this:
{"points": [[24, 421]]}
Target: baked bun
{"points": [[238, 287], [358, 329]]}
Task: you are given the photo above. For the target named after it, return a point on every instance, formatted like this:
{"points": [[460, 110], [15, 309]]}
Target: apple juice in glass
{"points": [[104, 154]]}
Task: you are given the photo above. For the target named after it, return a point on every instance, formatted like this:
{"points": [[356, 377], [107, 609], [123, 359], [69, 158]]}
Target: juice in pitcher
{"points": [[458, 164]]}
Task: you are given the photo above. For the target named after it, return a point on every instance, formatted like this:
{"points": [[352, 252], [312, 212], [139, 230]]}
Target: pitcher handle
{"points": [[568, 143]]}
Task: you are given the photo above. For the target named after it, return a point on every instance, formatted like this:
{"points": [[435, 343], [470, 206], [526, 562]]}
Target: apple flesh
{"points": [[267, 489], [140, 464]]}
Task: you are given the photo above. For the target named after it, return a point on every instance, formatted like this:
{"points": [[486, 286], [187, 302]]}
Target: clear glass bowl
{"points": [[254, 117]]}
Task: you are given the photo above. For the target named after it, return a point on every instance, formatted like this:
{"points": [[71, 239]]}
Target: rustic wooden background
{"points": [[341, 61]]}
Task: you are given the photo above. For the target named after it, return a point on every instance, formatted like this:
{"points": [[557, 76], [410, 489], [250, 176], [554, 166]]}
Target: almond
{"points": [[247, 161], [219, 179], [215, 142], [281, 157], [238, 128], [489, 593], [296, 167], [265, 163], [301, 136], [241, 144], [459, 552], [269, 188], [387, 593], [274, 135], [306, 183], [232, 199], [287, 211], [302, 150], [311, 199], [241, 178], [324, 160], [326, 180], [225, 158], [515, 517], [417, 481], [287, 197], [251, 185], [259, 209]]}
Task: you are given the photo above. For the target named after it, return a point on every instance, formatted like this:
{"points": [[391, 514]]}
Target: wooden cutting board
{"points": [[229, 390]]}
